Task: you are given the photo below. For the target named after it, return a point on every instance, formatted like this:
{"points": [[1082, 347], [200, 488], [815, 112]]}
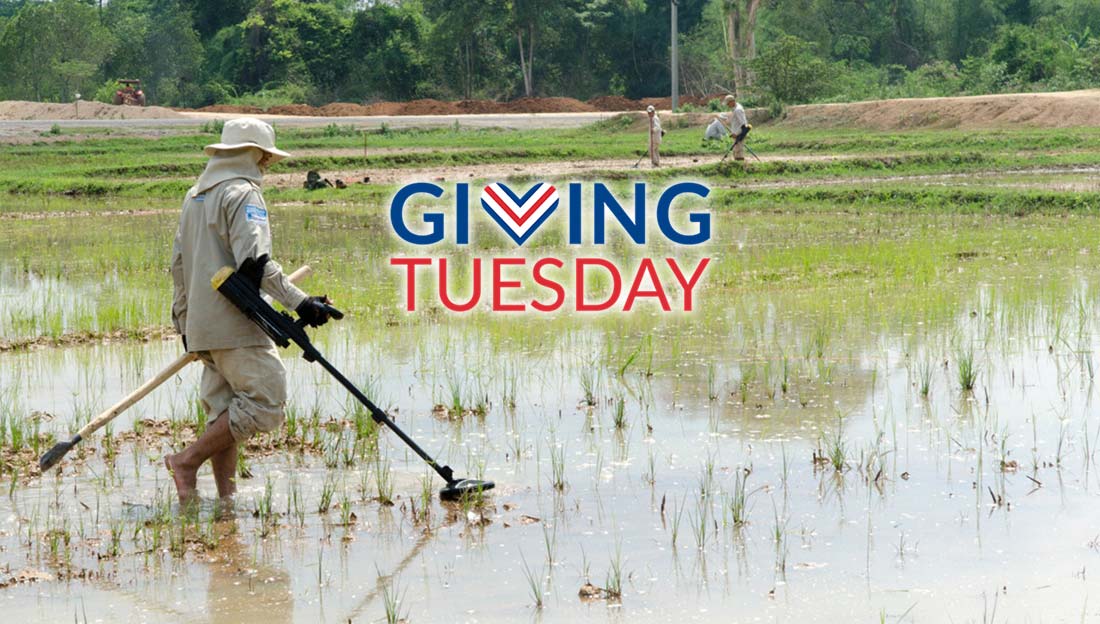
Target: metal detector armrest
{"points": [[279, 326]]}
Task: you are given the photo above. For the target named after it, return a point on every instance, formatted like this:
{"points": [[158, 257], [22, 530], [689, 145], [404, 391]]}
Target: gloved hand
{"points": [[315, 311], [749, 126]]}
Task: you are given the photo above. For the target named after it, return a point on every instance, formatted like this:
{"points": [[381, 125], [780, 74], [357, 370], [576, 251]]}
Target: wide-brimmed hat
{"points": [[650, 109], [730, 98], [248, 132]]}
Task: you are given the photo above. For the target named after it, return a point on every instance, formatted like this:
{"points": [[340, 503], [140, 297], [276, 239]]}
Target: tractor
{"points": [[130, 93]]}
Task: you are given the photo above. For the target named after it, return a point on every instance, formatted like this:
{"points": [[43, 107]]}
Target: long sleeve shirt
{"points": [[224, 221]]}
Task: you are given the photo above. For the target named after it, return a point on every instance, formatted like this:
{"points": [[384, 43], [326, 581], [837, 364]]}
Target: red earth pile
{"points": [[429, 106]]}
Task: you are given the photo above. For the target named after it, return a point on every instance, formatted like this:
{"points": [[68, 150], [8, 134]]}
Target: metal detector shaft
{"points": [[283, 330], [380, 417]]}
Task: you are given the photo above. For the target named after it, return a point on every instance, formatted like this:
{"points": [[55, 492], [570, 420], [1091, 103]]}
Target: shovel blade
{"points": [[54, 455]]}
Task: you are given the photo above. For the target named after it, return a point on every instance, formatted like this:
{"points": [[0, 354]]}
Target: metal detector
{"points": [[283, 330]]}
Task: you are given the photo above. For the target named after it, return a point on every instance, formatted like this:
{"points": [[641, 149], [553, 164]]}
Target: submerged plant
{"points": [[968, 370]]}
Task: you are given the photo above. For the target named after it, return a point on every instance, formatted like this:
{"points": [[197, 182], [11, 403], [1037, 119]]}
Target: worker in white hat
{"points": [[655, 134], [734, 124], [225, 221]]}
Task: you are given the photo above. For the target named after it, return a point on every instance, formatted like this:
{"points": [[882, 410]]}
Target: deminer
{"points": [[225, 221], [733, 124], [655, 135]]}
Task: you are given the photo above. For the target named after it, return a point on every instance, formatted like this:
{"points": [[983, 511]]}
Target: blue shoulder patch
{"points": [[256, 214]]}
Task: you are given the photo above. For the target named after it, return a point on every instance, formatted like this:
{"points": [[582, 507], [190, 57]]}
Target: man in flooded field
{"points": [[734, 124], [224, 222], [655, 135]]}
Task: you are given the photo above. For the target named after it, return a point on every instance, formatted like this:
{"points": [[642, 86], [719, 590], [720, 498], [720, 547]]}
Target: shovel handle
{"points": [[182, 361]]}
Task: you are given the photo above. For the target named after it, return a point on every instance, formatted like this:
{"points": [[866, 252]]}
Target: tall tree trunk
{"points": [[741, 35], [526, 65]]}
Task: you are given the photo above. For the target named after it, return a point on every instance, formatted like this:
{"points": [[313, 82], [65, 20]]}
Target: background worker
{"points": [[655, 134], [224, 222], [734, 124]]}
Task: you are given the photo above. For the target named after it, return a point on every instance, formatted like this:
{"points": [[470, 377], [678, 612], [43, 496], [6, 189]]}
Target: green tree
{"points": [[789, 72], [285, 42], [387, 49], [158, 45], [51, 50], [466, 37]]}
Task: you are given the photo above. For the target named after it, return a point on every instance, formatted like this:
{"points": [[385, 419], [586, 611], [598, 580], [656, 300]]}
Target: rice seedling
{"points": [[968, 370], [534, 583], [739, 513], [383, 481], [613, 586], [550, 542], [557, 465], [620, 414], [328, 490], [924, 377], [677, 517], [700, 521], [712, 382]]}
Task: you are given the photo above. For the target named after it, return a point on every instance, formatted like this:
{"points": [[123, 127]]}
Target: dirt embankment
{"points": [[1035, 110], [428, 106], [1061, 109], [15, 110]]}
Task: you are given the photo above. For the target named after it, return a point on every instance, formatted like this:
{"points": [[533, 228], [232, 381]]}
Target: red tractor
{"points": [[130, 93]]}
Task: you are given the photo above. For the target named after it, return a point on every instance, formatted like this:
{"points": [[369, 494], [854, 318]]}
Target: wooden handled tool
{"points": [[59, 450]]}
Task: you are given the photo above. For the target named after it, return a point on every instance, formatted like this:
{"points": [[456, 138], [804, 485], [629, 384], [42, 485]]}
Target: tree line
{"points": [[772, 52]]}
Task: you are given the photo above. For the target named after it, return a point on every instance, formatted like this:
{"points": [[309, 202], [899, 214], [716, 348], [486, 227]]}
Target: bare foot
{"points": [[186, 479], [224, 508]]}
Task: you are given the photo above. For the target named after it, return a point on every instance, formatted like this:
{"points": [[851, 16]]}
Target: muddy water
{"points": [[936, 528]]}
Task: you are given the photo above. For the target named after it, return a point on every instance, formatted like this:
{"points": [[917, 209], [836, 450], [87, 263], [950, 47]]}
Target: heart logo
{"points": [[518, 216]]}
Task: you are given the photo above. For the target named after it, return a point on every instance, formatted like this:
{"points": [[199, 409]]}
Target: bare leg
{"points": [[225, 469], [184, 466]]}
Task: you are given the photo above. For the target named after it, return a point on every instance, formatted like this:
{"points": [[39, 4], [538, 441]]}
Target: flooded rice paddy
{"points": [[871, 418]]}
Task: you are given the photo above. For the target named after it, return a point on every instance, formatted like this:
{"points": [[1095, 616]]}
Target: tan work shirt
{"points": [[224, 222]]}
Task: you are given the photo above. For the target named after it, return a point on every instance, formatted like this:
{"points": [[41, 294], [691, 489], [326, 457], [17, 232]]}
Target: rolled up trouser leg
{"points": [[739, 151], [250, 384]]}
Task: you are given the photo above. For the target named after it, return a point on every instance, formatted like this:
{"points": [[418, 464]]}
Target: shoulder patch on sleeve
{"points": [[254, 213]]}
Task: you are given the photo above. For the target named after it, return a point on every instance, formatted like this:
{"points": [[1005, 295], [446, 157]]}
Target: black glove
{"points": [[744, 133], [315, 311]]}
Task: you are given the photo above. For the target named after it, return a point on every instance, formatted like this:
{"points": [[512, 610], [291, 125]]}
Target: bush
{"points": [[938, 78], [789, 72], [277, 96], [982, 75], [106, 92]]}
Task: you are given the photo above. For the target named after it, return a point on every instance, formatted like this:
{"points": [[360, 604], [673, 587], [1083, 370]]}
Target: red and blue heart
{"points": [[519, 216]]}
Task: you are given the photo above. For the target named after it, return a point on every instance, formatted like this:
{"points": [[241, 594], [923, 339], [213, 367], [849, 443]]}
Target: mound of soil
{"points": [[341, 109], [613, 103], [293, 109], [383, 108], [428, 106], [228, 108], [41, 111], [549, 105], [481, 107], [1044, 110]]}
